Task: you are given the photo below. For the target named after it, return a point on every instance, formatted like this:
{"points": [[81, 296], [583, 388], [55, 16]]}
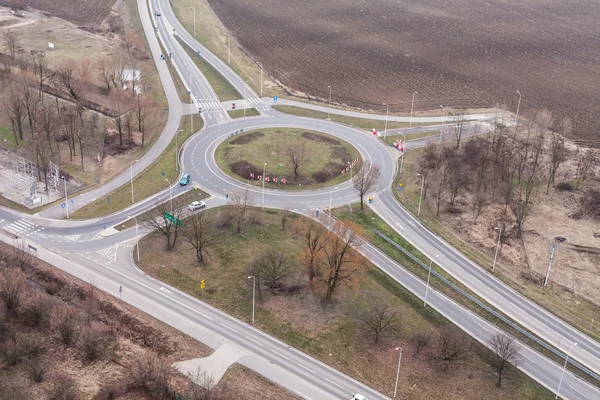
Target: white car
{"points": [[195, 205], [358, 396]]}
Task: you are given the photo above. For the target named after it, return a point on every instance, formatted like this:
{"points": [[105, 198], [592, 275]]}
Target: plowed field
{"points": [[84, 12], [453, 52]]}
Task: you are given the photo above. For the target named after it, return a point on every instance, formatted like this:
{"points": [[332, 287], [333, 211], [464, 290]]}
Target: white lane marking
{"points": [[477, 323], [279, 354], [164, 289], [231, 329], [249, 338], [333, 383], [578, 392], [306, 368], [302, 395], [399, 226], [529, 359]]}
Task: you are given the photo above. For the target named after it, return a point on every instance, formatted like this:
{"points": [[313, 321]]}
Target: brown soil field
{"points": [[456, 53], [85, 12]]}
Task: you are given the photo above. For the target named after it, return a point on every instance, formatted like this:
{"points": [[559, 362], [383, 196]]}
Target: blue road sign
{"points": [[72, 202], [104, 227], [163, 173], [317, 208], [108, 199], [275, 99], [62, 205]]}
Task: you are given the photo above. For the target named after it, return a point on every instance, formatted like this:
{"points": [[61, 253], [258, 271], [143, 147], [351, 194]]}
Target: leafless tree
{"points": [[144, 107], [107, 71], [365, 180], [459, 120], [40, 70], [273, 267], [298, 155], [157, 220], [451, 346], [339, 262], [457, 176], [480, 203], [11, 42], [379, 318], [201, 233], [12, 285], [120, 107], [15, 5], [43, 157], [207, 390], [240, 205], [73, 78], [506, 352], [315, 238], [585, 161], [30, 102], [420, 340], [558, 153], [15, 107]]}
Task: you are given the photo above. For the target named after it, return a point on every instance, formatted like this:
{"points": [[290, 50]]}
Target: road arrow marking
{"points": [[165, 289]]}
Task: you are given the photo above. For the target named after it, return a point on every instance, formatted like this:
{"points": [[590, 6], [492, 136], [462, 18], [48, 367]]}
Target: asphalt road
{"points": [[78, 248]]}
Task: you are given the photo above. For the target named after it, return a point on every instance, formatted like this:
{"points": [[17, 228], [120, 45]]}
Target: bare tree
{"points": [[379, 318], [120, 107], [420, 340], [315, 238], [106, 69], [144, 107], [365, 180], [451, 346], [340, 261], [30, 102], [272, 267], [480, 203], [43, 157], [11, 42], [201, 233], [15, 108], [460, 120], [558, 153], [15, 5], [40, 69], [240, 204], [506, 352], [12, 285], [585, 162], [73, 78], [207, 390], [298, 155], [167, 226]]}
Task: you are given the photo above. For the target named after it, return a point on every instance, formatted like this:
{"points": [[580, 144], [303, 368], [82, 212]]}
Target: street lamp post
{"points": [[228, 50], [563, 371], [194, 20], [517, 116], [329, 209], [66, 198], [253, 295], [442, 124], [176, 155], [398, 370], [350, 188], [137, 238], [403, 151], [263, 182], [497, 248], [261, 79], [428, 276], [131, 178], [411, 108], [170, 194], [421, 195], [329, 110], [387, 111]]}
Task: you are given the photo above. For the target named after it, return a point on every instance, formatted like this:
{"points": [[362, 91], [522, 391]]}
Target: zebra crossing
{"points": [[22, 227], [207, 105], [257, 102]]}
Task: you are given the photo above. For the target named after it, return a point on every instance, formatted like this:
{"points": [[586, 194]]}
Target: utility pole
{"points": [[228, 50], [550, 264], [329, 110], [412, 104]]}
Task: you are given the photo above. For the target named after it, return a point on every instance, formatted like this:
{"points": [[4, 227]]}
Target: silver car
{"points": [[195, 205]]}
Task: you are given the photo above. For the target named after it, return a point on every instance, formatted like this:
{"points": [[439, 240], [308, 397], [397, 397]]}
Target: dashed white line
{"points": [[578, 392], [477, 323], [279, 354], [253, 341], [231, 329], [306, 368], [333, 383]]}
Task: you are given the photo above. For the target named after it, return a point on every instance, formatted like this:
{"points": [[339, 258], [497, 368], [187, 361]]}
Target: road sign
{"points": [[62, 205], [108, 199], [172, 219], [202, 284], [33, 249], [72, 202], [275, 99], [371, 200], [163, 174], [400, 187]]}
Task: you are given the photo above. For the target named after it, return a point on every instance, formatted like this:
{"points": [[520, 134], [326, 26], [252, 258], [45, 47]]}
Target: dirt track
{"points": [[454, 53]]}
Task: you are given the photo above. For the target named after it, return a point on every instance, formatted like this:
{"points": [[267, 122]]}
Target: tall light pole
{"points": [[253, 295], [421, 195], [176, 155], [412, 104], [261, 79], [131, 178], [398, 370], [350, 188], [497, 248], [263, 179], [402, 155], [428, 276], [563, 371], [66, 198], [137, 238], [517, 116], [387, 111], [442, 124], [329, 110], [194, 20], [191, 102], [245, 99], [171, 194], [550, 263], [329, 209], [228, 50]]}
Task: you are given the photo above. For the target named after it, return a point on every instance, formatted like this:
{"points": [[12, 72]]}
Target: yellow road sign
{"points": [[202, 284]]}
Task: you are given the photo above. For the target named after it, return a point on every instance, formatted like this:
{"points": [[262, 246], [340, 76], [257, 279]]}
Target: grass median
{"points": [[250, 112], [145, 184], [330, 331]]}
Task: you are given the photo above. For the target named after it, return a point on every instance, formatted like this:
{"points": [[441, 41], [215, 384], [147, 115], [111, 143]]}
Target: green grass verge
{"points": [[147, 183], [271, 149], [360, 123], [224, 90], [327, 331], [390, 139], [250, 112]]}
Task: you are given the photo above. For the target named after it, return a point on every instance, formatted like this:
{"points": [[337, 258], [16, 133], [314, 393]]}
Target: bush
{"points": [[320, 138], [247, 138], [243, 168], [255, 217], [12, 353], [97, 342], [32, 345], [420, 340], [452, 346], [12, 285], [151, 374], [64, 388], [65, 323], [36, 369], [328, 172], [224, 220], [565, 186], [36, 312]]}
